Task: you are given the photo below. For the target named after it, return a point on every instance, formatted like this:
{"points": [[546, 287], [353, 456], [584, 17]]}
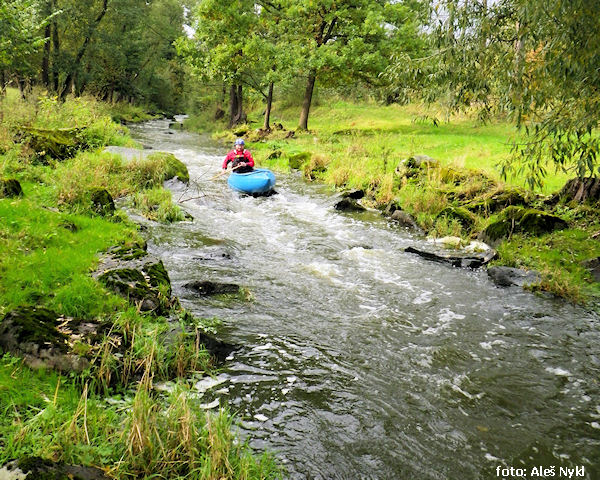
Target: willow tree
{"points": [[537, 61]]}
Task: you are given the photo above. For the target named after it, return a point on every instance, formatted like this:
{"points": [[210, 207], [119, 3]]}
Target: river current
{"points": [[361, 361]]}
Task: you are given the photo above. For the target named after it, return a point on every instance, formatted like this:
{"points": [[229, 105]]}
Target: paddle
{"points": [[220, 174]]}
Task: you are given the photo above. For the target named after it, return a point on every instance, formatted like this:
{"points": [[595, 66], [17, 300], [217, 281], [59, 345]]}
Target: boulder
{"points": [[508, 276], [10, 187], [296, 160], [355, 194], [462, 215], [461, 260], [140, 278], [421, 161], [207, 287], [102, 202], [33, 333], [593, 266], [500, 200], [274, 154], [349, 205], [36, 468], [56, 143], [175, 167], [405, 220], [521, 220]]}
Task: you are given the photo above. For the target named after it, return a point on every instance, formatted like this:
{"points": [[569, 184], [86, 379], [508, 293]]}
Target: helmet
{"points": [[239, 141]]}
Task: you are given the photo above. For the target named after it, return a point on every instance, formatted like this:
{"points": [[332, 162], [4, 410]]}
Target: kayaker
{"points": [[240, 158]]}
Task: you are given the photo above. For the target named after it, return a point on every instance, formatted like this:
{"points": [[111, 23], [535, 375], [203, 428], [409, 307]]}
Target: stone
{"points": [[33, 334], [296, 160], [508, 276], [355, 194], [404, 219], [56, 143], [462, 215], [136, 276], [207, 287], [349, 205], [520, 220], [447, 242], [175, 167], [421, 161], [37, 468], [102, 202], [461, 260], [593, 266], [10, 187], [274, 154]]}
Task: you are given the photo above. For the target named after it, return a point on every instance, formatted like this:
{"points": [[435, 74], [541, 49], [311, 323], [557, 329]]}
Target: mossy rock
{"points": [[349, 205], [499, 200], [37, 468], [421, 161], [274, 155], [296, 160], [10, 187], [130, 251], [464, 217], [157, 275], [35, 325], [56, 143], [527, 221], [175, 167], [102, 201]]}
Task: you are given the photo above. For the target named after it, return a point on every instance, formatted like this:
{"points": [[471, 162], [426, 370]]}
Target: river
{"points": [[361, 361]]}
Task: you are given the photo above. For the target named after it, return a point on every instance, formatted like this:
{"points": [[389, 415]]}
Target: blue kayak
{"points": [[258, 181]]}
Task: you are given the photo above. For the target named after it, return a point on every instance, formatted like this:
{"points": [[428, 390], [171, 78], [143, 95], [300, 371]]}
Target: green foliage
{"points": [[538, 62], [157, 204], [136, 435]]}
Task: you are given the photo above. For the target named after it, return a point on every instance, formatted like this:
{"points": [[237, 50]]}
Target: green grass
{"points": [[50, 242], [139, 435], [354, 138], [44, 262]]}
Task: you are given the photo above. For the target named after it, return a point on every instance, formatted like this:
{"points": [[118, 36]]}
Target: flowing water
{"points": [[359, 360]]}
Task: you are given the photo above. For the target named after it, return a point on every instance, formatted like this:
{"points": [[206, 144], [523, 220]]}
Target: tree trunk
{"points": [[71, 75], [266, 124], [308, 93], [55, 52], [46, 58], [2, 94], [239, 118], [233, 105], [2, 83]]}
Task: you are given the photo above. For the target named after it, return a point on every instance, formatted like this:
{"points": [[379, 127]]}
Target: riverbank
{"points": [[111, 340], [458, 193]]}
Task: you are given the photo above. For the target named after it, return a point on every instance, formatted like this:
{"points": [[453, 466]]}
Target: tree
{"points": [[537, 61], [20, 36], [217, 51], [339, 41]]}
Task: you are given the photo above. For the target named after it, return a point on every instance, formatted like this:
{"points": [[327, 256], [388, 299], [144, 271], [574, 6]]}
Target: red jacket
{"points": [[236, 157]]}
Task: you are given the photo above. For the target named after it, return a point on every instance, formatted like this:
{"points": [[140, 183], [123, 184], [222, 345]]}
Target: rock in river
{"points": [[508, 276]]}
